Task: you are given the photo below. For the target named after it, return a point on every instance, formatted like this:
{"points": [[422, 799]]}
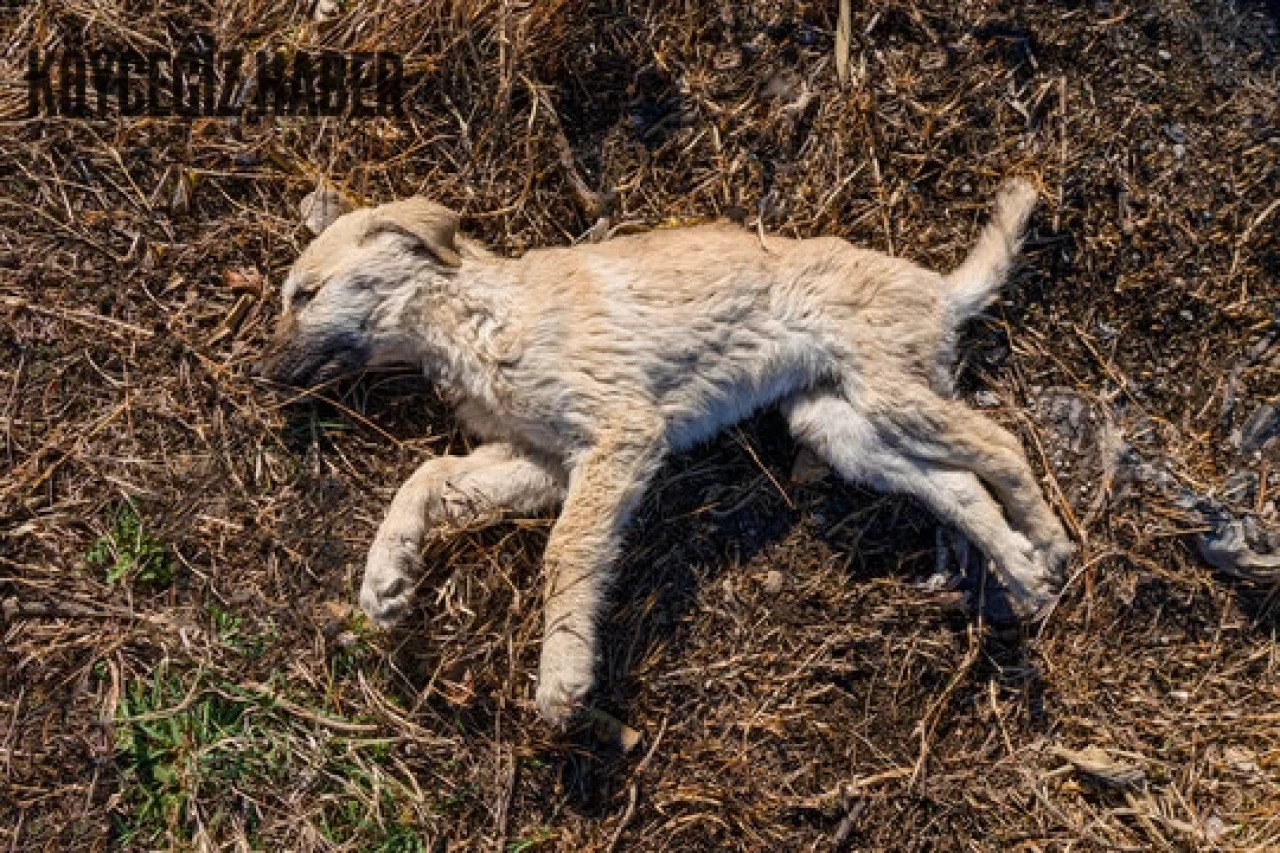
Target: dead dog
{"points": [[581, 368]]}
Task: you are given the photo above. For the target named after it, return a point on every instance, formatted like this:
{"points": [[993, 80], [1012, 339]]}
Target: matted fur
{"points": [[583, 367]]}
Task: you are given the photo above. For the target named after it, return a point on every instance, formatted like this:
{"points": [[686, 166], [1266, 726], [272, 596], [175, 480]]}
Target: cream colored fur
{"points": [[583, 368]]}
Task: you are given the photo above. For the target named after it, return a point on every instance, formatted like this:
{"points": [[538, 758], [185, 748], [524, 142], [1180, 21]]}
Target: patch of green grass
{"points": [[100, 670], [333, 426], [350, 657], [232, 632], [225, 624], [197, 752], [344, 823], [129, 551], [180, 746]]}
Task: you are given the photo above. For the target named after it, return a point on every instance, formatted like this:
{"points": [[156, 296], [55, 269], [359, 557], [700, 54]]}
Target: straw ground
{"points": [[182, 666]]}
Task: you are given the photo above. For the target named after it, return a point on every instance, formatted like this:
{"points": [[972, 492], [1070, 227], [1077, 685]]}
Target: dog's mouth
{"points": [[315, 362]]}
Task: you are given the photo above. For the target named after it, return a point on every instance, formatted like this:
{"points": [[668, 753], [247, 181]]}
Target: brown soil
{"points": [[798, 684]]}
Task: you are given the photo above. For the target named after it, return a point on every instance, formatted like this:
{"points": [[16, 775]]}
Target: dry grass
{"points": [[181, 665]]}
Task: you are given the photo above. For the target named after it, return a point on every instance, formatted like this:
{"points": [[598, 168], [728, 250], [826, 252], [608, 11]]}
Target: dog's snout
{"points": [[302, 356], [273, 365]]}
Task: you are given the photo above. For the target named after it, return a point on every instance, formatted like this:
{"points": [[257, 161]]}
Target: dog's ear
{"points": [[433, 225], [322, 206]]}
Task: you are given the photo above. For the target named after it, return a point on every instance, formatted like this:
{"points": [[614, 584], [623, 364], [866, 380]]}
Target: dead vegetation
{"points": [[181, 665]]}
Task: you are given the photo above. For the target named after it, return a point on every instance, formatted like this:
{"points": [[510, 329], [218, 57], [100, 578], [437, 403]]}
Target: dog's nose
{"points": [[268, 366]]}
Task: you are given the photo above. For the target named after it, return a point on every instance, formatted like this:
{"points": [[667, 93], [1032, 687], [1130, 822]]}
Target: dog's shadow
{"points": [[716, 517], [727, 527], [720, 516]]}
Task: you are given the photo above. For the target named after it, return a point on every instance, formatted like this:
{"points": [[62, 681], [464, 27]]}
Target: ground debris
{"points": [[1095, 765], [1260, 427], [775, 639], [1239, 546]]}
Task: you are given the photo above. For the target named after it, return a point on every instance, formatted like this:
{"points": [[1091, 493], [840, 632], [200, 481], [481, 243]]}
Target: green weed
{"points": [[232, 632], [345, 822], [180, 745], [197, 752], [128, 551]]}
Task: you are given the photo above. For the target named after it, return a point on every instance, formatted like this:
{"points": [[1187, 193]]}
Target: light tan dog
{"points": [[583, 367]]}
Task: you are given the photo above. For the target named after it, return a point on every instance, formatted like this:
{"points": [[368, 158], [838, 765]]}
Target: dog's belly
{"points": [[693, 421], [700, 397]]}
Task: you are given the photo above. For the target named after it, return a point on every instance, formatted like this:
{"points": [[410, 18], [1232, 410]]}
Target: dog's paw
{"points": [[1033, 578], [1053, 546], [1031, 604], [564, 678], [1052, 557], [388, 584], [1056, 555]]}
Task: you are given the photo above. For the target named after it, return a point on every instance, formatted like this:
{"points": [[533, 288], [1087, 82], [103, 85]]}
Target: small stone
{"points": [[937, 582], [325, 10], [773, 582], [986, 400], [1242, 760], [1179, 151], [1164, 54], [1262, 426], [1241, 487]]}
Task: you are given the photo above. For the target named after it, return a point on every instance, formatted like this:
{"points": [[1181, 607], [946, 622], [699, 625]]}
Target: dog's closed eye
{"points": [[302, 293]]}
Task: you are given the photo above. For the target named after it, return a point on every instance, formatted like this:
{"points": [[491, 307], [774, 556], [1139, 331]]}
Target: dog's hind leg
{"points": [[949, 434], [864, 451], [456, 490]]}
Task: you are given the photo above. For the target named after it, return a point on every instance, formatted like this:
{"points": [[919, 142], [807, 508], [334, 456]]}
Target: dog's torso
{"points": [[699, 327]]}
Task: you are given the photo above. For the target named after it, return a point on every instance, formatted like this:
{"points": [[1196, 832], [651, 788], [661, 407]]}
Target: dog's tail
{"points": [[974, 284]]}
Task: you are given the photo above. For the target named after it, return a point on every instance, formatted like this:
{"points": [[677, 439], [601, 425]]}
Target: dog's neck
{"points": [[463, 333]]}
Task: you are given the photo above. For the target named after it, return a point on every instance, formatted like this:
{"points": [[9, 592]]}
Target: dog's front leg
{"points": [[604, 489], [447, 489]]}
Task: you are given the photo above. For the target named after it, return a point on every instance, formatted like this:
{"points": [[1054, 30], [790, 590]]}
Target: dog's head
{"points": [[344, 299]]}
